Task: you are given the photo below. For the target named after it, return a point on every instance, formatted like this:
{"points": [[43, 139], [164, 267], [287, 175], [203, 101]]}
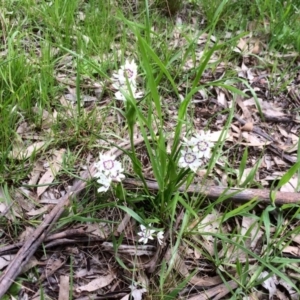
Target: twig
{"points": [[56, 236], [39, 235], [232, 194]]}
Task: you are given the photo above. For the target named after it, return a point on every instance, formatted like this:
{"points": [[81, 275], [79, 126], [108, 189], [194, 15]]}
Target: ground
{"points": [[149, 155]]}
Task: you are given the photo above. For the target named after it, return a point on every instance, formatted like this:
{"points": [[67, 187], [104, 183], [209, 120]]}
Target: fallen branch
{"points": [[232, 194], [69, 233], [39, 235]]}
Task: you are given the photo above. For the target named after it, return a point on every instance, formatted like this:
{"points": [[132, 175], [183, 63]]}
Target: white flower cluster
{"points": [[196, 152], [146, 234], [108, 170], [125, 81]]}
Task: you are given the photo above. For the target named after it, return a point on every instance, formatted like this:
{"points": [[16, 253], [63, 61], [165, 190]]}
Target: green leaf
{"points": [[132, 213]]}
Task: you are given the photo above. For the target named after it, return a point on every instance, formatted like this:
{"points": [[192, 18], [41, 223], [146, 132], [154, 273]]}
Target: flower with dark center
{"points": [[190, 159]]}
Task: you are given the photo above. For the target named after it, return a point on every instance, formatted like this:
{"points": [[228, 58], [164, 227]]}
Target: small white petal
{"points": [[143, 228], [143, 240], [103, 189], [160, 237]]}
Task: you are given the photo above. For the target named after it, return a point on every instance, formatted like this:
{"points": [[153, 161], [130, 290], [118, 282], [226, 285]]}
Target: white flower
{"points": [[124, 86], [124, 81], [108, 165], [202, 146], [160, 237], [108, 170], [145, 234], [137, 293], [103, 188], [190, 159], [127, 72], [120, 95], [188, 143], [117, 176], [104, 181]]}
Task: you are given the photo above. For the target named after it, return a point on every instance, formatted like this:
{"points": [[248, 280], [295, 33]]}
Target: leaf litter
{"points": [[96, 259]]}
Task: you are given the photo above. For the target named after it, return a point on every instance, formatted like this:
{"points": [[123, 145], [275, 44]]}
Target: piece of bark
{"points": [[231, 194]]}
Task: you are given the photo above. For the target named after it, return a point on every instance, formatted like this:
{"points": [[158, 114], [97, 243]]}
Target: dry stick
{"points": [[31, 245], [233, 194], [39, 235], [64, 234]]}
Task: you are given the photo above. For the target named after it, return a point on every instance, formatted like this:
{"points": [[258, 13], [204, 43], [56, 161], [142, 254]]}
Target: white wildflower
{"points": [[190, 159], [101, 177], [103, 189], [202, 146], [120, 95], [127, 72], [108, 165], [104, 181], [188, 143], [118, 176], [137, 293], [124, 81], [145, 234], [160, 237], [108, 170]]}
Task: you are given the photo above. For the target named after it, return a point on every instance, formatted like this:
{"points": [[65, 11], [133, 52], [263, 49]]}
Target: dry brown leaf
{"points": [[53, 264], [292, 250], [179, 265], [210, 223], [269, 283], [48, 119], [67, 104], [291, 185], [25, 203], [5, 260], [123, 224], [246, 113], [247, 127], [36, 172], [253, 141], [102, 229], [217, 292], [42, 210], [50, 174], [269, 109], [20, 152], [255, 233], [33, 262], [96, 284], [222, 98], [289, 148], [255, 49], [8, 212], [26, 233], [64, 287], [241, 46], [23, 128], [293, 295], [215, 136]]}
